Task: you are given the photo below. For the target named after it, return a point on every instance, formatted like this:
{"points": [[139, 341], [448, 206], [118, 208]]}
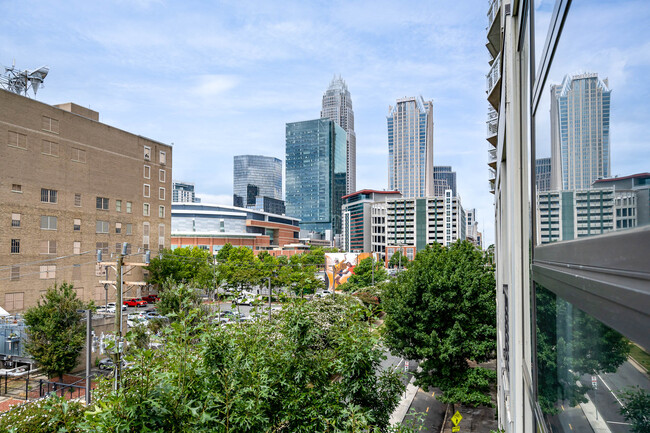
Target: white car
{"points": [[105, 310], [112, 304], [323, 293]]}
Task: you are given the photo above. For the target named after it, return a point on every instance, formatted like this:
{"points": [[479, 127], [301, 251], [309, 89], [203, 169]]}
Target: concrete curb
{"points": [[400, 412]]}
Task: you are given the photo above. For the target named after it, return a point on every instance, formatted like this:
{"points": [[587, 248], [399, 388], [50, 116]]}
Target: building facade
{"points": [[472, 233], [337, 106], [256, 176], [410, 147], [443, 175], [418, 222], [183, 192], [543, 174], [580, 114], [69, 186], [210, 227], [357, 219], [316, 175]]}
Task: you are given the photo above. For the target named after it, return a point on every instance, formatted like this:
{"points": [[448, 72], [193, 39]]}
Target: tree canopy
{"points": [[442, 312], [398, 259], [363, 274], [188, 265], [56, 330]]}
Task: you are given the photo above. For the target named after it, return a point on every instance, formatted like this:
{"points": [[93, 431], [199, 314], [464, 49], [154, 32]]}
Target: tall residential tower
{"points": [[410, 147], [579, 132], [337, 106]]}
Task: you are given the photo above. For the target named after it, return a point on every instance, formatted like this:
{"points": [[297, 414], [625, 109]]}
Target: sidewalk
{"points": [[407, 398]]}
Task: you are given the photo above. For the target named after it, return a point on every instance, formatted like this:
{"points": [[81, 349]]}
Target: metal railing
{"points": [[73, 390], [494, 75], [492, 155], [493, 11], [492, 174]]}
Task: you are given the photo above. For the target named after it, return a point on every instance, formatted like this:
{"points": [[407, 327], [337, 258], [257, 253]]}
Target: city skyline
{"points": [[232, 75]]}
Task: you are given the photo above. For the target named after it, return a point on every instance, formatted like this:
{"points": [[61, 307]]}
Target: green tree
{"points": [[56, 331], [363, 274], [224, 252], [636, 409], [178, 300], [398, 259], [442, 312], [241, 269], [188, 265]]}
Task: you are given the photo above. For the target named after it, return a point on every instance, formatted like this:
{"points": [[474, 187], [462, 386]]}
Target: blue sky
{"points": [[219, 79]]}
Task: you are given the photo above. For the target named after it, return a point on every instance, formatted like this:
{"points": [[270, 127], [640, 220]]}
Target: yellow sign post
{"points": [[456, 419]]}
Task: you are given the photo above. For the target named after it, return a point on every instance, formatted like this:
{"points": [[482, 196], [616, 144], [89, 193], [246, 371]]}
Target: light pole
{"points": [[269, 297]]}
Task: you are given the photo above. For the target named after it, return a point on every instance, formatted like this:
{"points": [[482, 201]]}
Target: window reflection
{"points": [[584, 369]]}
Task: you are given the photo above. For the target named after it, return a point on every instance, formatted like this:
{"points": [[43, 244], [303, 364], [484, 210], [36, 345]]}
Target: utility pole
{"points": [[89, 343], [269, 298], [118, 317], [372, 260]]}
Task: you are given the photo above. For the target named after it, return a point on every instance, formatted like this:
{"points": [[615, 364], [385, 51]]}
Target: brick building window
{"points": [[118, 205], [147, 172], [161, 211], [47, 272], [48, 222], [15, 246], [101, 227], [129, 207], [14, 301], [48, 247], [118, 228], [77, 200], [145, 235], [76, 225], [101, 203], [102, 246], [15, 187], [145, 209], [15, 220], [76, 247], [16, 139], [129, 229], [15, 273], [146, 190], [48, 195], [51, 125], [78, 155], [163, 158], [147, 153], [161, 193], [161, 175], [50, 148]]}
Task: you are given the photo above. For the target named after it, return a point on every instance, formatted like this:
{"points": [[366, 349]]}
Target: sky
{"points": [[222, 78]]}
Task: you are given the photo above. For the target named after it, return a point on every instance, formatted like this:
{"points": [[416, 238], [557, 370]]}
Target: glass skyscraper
{"points": [[410, 147], [543, 174], [579, 132], [445, 174], [316, 174], [256, 176], [337, 105]]}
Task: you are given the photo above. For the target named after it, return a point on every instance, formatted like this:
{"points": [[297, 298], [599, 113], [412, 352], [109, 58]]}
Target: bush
{"points": [[51, 414]]}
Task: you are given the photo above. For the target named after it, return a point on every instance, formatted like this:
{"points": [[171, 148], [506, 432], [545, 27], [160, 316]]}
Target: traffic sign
{"points": [[594, 382], [455, 429], [456, 418], [406, 366]]}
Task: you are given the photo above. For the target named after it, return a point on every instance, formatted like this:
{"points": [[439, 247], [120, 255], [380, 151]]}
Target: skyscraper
{"points": [[543, 174], [444, 173], [579, 131], [410, 147], [337, 106], [256, 176], [316, 174]]}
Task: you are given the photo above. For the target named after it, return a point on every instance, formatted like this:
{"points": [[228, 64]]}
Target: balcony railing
{"points": [[494, 75], [493, 11], [492, 123], [492, 156], [492, 174]]}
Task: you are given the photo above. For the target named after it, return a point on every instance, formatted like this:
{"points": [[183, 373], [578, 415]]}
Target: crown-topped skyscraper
{"points": [[337, 106]]}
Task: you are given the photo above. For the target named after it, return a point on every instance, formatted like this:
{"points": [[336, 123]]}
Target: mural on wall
{"points": [[340, 266]]}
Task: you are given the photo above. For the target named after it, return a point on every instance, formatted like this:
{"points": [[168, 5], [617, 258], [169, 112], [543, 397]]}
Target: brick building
{"points": [[70, 185]]}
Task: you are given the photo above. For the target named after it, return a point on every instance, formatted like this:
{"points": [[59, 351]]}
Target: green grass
{"points": [[640, 356]]}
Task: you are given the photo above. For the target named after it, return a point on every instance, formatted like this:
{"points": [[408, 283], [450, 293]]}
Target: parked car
{"points": [[135, 302], [112, 305], [151, 298], [108, 364], [230, 314], [244, 301], [106, 310], [152, 315], [323, 293]]}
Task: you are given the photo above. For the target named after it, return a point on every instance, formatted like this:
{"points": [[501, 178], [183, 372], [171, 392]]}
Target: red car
{"points": [[135, 302], [151, 298]]}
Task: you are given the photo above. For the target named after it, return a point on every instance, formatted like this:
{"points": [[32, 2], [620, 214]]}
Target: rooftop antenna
{"points": [[20, 82]]}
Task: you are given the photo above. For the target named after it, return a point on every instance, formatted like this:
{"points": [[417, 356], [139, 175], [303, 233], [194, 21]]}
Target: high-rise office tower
{"points": [[445, 173], [256, 176], [337, 105], [543, 174], [579, 131], [183, 192], [316, 175], [410, 147]]}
